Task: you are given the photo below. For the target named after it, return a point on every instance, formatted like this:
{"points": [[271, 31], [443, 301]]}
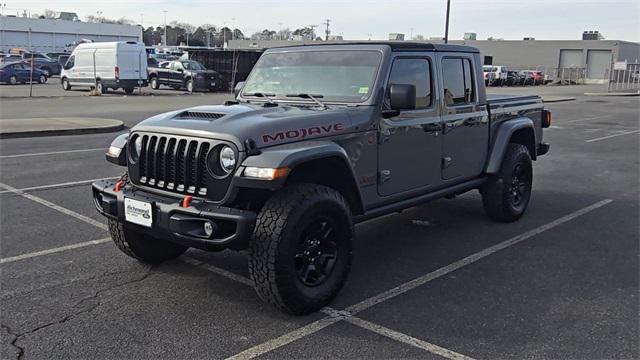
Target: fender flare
{"points": [[299, 153], [502, 138]]}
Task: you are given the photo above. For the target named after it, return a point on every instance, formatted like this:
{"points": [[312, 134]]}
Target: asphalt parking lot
{"points": [[439, 280]]}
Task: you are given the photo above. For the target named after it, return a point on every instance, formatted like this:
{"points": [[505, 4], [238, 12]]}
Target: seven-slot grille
{"points": [[174, 164]]}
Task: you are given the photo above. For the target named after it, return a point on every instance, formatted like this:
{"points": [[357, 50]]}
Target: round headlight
{"points": [[227, 159], [136, 148]]}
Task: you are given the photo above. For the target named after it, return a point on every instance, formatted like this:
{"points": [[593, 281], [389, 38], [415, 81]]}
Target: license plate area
{"points": [[138, 212]]}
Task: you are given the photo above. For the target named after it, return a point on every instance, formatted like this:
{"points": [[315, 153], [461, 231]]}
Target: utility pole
{"points": [[280, 29], [165, 28], [327, 22], [446, 26]]}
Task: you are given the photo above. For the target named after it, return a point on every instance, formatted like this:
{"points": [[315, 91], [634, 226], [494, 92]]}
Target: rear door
{"points": [[410, 143], [132, 63], [466, 123]]}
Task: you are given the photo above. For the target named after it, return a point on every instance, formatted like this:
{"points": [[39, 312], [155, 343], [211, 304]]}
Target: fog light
{"points": [[208, 228]]}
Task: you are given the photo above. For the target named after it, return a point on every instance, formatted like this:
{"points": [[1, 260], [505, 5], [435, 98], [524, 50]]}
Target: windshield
{"points": [[342, 76], [192, 65]]}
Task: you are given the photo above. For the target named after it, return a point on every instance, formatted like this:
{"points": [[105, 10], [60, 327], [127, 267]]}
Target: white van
{"points": [[106, 65], [494, 74]]}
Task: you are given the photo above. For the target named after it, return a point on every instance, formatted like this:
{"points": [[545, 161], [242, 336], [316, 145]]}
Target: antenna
{"points": [[327, 22]]}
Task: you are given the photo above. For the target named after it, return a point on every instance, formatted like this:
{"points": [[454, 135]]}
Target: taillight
{"points": [[117, 71], [546, 118]]}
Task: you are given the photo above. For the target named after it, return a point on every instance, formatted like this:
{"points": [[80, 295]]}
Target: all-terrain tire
{"points": [[506, 195], [283, 225], [141, 246]]}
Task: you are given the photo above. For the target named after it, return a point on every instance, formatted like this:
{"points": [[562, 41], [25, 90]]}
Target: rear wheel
{"points": [[506, 194], [301, 249], [155, 85], [46, 71], [189, 85], [13, 80], [42, 79], [65, 84], [141, 246]]}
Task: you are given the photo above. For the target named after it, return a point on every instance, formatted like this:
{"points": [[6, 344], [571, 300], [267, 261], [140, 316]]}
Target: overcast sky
{"points": [[356, 19]]}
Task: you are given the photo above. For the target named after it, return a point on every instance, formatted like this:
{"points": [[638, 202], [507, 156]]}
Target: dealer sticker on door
{"points": [[138, 212]]}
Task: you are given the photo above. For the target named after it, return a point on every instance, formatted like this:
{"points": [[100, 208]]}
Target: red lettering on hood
{"points": [[303, 133]]}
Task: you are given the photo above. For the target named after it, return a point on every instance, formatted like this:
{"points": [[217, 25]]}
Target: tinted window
{"points": [[458, 84], [413, 72], [69, 64]]}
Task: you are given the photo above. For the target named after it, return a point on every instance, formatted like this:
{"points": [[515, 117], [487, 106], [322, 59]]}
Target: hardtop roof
{"points": [[395, 46]]}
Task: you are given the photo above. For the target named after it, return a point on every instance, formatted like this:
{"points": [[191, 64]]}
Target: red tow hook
{"points": [[119, 186], [186, 201]]}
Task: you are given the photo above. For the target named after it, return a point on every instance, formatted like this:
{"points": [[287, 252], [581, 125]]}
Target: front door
{"points": [[466, 123], [410, 144]]}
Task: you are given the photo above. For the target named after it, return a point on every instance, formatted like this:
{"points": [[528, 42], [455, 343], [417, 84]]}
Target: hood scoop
{"points": [[199, 115]]}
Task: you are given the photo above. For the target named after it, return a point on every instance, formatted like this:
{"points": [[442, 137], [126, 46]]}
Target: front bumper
{"points": [[182, 225]]}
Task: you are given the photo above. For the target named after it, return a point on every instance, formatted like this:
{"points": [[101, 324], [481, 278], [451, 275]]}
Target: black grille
{"points": [[173, 164], [200, 115]]}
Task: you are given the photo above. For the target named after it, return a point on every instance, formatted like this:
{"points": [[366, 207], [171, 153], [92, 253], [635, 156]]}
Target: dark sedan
{"points": [[17, 72]]}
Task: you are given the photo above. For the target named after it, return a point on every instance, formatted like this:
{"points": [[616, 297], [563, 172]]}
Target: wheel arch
{"points": [[519, 130]]}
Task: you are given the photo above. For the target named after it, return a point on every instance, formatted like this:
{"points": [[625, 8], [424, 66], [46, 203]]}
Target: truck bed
{"points": [[495, 98]]}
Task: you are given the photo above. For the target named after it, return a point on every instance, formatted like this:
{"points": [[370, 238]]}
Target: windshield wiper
{"points": [[262, 95], [309, 96]]}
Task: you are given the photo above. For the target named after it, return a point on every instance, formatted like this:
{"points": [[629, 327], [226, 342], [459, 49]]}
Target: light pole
{"points": [[99, 14], [142, 21], [446, 26], [233, 28], [2, 6], [280, 30], [165, 28], [411, 34]]}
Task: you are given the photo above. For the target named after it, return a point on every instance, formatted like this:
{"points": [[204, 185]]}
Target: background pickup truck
{"points": [[320, 137], [186, 74]]}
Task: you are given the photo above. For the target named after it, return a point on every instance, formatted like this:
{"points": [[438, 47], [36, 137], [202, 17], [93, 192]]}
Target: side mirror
{"points": [[402, 96], [238, 88]]}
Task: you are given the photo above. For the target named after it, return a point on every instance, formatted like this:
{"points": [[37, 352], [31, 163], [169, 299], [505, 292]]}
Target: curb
{"points": [[559, 99], [613, 94], [59, 132]]}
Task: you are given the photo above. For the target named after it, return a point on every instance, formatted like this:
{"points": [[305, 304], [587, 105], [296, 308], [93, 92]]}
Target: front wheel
{"points": [[189, 85], [13, 80], [66, 86], [155, 85], [301, 249], [42, 79], [506, 194], [141, 246]]}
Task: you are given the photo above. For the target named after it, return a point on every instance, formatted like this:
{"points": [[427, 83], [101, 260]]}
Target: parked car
{"points": [[10, 58], [494, 74], [106, 65], [320, 138], [532, 77], [513, 78], [42, 62], [187, 74], [18, 72]]}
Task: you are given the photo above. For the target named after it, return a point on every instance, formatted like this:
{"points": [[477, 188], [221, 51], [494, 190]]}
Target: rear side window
{"points": [[457, 77], [414, 72]]}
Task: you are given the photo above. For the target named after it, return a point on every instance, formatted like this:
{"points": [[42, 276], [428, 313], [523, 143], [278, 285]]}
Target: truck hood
{"points": [[263, 125]]}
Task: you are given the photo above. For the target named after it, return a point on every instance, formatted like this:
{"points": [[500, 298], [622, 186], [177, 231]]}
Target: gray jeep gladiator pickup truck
{"points": [[320, 138]]}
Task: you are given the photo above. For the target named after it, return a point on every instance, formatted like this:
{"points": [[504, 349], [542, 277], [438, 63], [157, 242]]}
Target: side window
{"points": [[414, 72], [70, 62], [457, 77]]}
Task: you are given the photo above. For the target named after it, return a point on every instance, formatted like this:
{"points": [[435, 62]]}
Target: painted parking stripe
{"points": [[50, 153], [406, 339], [54, 250], [285, 339], [60, 185], [410, 285], [56, 207], [612, 136], [216, 270]]}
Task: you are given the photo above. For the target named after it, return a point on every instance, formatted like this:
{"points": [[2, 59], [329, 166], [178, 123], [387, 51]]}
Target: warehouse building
{"points": [[45, 35], [588, 60]]}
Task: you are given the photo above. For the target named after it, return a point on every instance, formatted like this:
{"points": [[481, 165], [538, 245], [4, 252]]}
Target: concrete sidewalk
{"points": [[51, 126]]}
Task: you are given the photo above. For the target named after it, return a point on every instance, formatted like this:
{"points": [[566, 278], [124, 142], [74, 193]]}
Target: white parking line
{"points": [[216, 270], [372, 301], [404, 338], [60, 185], [56, 207], [410, 285], [586, 119], [50, 153], [612, 136], [54, 250]]}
